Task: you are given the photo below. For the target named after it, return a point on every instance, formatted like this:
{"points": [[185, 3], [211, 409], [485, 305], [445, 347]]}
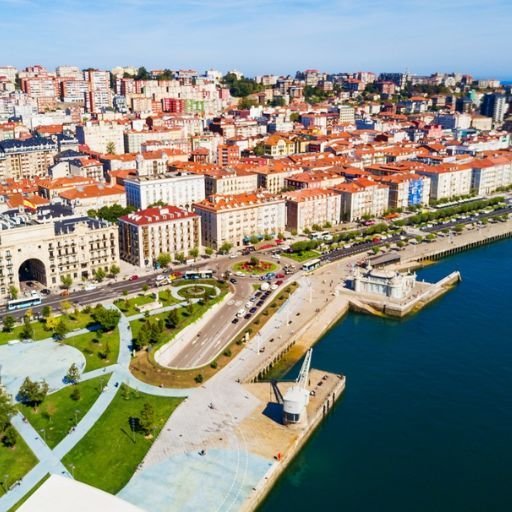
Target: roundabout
{"points": [[195, 291]]}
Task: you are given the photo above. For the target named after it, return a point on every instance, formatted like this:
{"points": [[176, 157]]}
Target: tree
{"points": [[164, 258], [66, 281], [27, 332], [107, 318], [13, 292], [9, 323], [99, 274], [73, 375], [33, 393], [142, 74], [65, 306], [194, 252], [246, 103], [112, 213], [254, 261], [114, 270], [180, 257], [46, 311], [225, 247], [75, 394], [208, 251], [259, 149], [294, 117], [172, 320], [7, 409], [147, 418], [254, 239], [111, 148], [10, 436], [61, 329]]}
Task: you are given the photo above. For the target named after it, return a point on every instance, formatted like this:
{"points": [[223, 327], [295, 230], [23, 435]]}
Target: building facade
{"points": [[179, 189], [235, 218], [146, 234], [45, 250]]}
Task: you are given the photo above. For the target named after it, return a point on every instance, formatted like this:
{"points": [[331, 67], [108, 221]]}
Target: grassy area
{"points": [[109, 453], [100, 349], [261, 268], [73, 321], [302, 256], [146, 369], [15, 463], [166, 298], [27, 496], [59, 412], [195, 291], [129, 306]]}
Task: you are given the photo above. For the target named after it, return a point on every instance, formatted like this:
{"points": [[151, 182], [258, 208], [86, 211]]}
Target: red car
{"points": [[134, 277], [279, 282], [280, 276]]}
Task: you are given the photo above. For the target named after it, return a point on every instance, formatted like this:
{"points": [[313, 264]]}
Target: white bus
{"points": [[27, 302], [311, 265], [198, 274]]}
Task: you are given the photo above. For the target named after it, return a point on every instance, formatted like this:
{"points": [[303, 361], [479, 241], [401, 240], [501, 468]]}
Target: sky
{"points": [[262, 36]]}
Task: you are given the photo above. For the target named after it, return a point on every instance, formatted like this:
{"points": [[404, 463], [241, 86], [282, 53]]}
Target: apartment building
{"points": [[314, 179], [92, 197], [101, 137], [229, 181], [406, 190], [180, 189], [27, 158], [45, 247], [235, 218], [448, 180], [273, 177], [307, 207], [99, 95], [490, 174], [146, 234], [135, 139], [362, 197], [86, 168]]}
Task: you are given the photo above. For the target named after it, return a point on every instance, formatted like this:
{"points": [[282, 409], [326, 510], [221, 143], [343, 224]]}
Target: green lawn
{"points": [[129, 306], [39, 333], [27, 496], [78, 321], [59, 412], [166, 297], [302, 256], [195, 291], [14, 463], [100, 349], [109, 453]]}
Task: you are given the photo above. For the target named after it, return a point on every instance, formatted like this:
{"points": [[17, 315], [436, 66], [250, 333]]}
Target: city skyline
{"points": [[334, 35]]}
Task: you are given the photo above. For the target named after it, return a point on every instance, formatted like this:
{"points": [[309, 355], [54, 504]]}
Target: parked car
{"points": [[134, 277], [88, 288], [235, 320], [279, 282], [233, 280]]}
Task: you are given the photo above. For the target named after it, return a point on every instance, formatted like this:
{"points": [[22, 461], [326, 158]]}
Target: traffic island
{"points": [[145, 368], [254, 267]]}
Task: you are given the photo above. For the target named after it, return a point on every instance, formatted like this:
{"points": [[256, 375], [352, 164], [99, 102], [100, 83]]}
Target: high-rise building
{"points": [[494, 105]]}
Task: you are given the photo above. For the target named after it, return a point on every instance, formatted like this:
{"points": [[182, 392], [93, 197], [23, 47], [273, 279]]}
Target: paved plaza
{"points": [[38, 360]]}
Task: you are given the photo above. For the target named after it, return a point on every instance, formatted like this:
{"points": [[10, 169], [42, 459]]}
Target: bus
{"points": [[311, 265], [198, 274], [27, 302]]}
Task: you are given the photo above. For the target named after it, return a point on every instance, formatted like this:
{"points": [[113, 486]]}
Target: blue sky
{"points": [[258, 36]]}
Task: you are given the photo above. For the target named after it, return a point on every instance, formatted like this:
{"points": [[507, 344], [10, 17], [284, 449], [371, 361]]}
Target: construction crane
{"points": [[297, 397]]}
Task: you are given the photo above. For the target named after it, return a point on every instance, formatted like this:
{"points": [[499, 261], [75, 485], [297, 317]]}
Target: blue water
{"points": [[425, 423]]}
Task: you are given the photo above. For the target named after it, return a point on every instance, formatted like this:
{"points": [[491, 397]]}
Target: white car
{"points": [[250, 304], [160, 277], [273, 286], [241, 313], [233, 255], [90, 287]]}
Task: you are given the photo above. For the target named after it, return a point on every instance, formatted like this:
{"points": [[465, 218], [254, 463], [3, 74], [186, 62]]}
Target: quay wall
{"points": [[278, 467]]}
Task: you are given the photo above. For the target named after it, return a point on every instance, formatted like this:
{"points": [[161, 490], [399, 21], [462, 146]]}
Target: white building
{"points": [[235, 218], [100, 136], [383, 282], [180, 189], [44, 248], [448, 181]]}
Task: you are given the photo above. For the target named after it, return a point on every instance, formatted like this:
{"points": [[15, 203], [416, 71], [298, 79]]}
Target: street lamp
{"points": [[4, 482], [77, 412], [72, 467]]}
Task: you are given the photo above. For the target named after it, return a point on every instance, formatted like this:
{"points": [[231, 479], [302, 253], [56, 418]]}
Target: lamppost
{"points": [[77, 412], [4, 482], [72, 467]]}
